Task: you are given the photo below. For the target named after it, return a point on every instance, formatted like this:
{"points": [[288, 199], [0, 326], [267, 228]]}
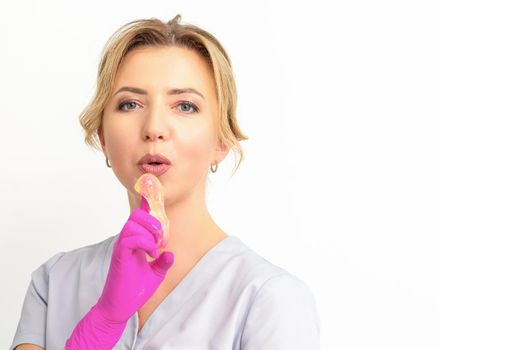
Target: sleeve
{"points": [[282, 316], [32, 324]]}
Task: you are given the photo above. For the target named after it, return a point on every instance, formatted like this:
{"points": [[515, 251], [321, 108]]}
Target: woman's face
{"points": [[180, 126]]}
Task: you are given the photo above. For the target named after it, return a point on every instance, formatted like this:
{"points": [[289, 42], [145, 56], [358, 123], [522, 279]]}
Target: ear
{"points": [[100, 133], [221, 151]]}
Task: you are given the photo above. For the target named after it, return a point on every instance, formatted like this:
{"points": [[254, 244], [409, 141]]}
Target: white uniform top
{"points": [[231, 299]]}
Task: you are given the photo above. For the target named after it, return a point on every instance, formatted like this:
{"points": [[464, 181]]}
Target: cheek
{"points": [[118, 145], [195, 148], [120, 149]]}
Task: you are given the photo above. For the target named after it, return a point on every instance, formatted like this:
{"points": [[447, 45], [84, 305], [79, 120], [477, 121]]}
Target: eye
{"points": [[125, 103], [186, 105]]}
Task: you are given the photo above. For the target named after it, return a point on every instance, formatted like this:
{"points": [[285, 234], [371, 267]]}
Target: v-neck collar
{"points": [[184, 290]]}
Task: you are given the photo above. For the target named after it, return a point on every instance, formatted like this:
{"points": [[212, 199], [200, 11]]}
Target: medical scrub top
{"points": [[231, 299]]}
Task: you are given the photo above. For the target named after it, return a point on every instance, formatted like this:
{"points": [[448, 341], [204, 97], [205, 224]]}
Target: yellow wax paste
{"points": [[149, 186]]}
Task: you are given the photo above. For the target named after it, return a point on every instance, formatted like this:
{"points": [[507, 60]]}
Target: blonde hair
{"points": [[153, 32]]}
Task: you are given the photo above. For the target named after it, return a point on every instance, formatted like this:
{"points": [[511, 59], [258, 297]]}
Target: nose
{"points": [[154, 127], [152, 134]]}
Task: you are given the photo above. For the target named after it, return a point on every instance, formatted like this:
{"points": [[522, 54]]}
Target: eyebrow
{"points": [[170, 92]]}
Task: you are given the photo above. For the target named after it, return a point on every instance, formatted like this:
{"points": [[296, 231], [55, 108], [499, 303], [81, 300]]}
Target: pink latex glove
{"points": [[130, 282]]}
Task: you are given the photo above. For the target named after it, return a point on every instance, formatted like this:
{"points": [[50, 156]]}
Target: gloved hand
{"points": [[130, 282]]}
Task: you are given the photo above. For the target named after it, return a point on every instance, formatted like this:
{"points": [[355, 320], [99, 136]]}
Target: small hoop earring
{"points": [[213, 170], [107, 163]]}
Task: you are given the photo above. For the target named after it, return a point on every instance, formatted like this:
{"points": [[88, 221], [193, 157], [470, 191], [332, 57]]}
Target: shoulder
{"points": [[249, 267], [252, 268], [282, 312], [285, 297], [273, 289], [66, 261]]}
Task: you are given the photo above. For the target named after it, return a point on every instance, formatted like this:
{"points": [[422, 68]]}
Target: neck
{"points": [[192, 229]]}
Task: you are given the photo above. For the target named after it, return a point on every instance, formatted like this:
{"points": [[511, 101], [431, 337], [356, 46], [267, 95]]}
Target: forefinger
{"points": [[148, 221]]}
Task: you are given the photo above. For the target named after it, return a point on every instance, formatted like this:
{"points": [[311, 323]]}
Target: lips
{"points": [[154, 158], [155, 164], [156, 170]]}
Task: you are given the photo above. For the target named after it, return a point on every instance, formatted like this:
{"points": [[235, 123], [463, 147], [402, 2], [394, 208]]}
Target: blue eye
{"points": [[188, 106], [124, 104], [186, 103]]}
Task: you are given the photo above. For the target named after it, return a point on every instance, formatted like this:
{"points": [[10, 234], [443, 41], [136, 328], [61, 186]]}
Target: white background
{"points": [[384, 166]]}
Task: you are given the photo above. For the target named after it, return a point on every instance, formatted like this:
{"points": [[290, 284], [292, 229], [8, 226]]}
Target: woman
{"points": [[165, 94]]}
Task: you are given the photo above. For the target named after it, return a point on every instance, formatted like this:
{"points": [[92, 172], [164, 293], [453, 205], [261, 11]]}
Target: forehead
{"points": [[159, 69]]}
